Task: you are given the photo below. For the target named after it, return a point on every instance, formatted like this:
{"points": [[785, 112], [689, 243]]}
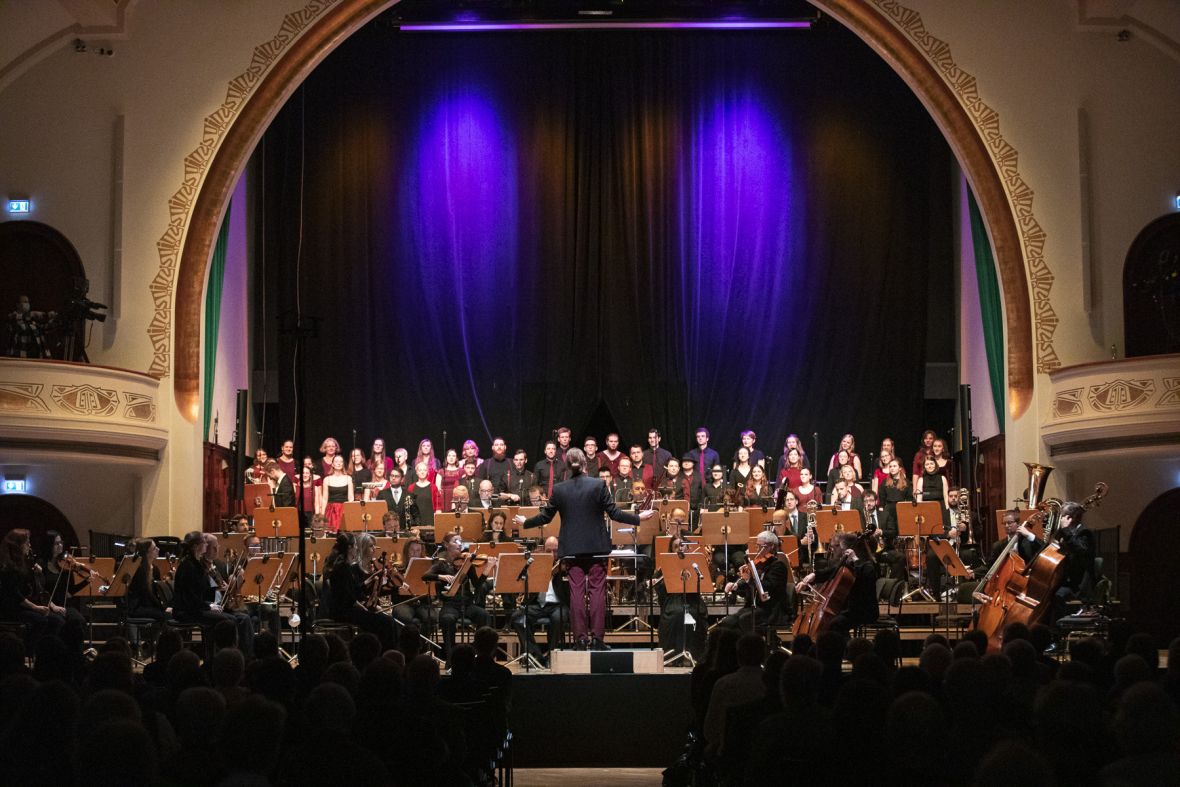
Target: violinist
{"points": [[551, 607], [64, 577], [193, 599], [467, 603], [762, 611], [142, 601], [354, 582], [18, 597], [675, 636], [849, 549], [406, 607]]}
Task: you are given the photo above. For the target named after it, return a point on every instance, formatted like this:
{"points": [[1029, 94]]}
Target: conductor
{"points": [[583, 544]]}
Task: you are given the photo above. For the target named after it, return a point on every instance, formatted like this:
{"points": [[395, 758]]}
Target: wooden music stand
{"points": [[643, 532], [668, 563], [163, 567], [666, 506], [386, 544], [123, 575], [829, 522], [789, 544], [920, 521], [315, 553], [551, 529], [950, 560], [258, 575], [468, 525], [104, 567], [1025, 514], [718, 529], [503, 548], [257, 496], [507, 581], [418, 568], [280, 523], [360, 515], [234, 541]]}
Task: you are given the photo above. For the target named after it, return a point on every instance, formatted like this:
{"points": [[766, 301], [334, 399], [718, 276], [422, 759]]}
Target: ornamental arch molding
{"points": [[307, 36]]}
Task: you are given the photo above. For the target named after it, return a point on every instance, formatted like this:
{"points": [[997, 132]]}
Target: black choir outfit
{"points": [[496, 471], [550, 473], [517, 482], [675, 636], [16, 587], [284, 494], [657, 457], [141, 599]]}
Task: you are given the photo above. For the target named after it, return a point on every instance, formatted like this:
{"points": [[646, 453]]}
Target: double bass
{"points": [[1032, 592]]}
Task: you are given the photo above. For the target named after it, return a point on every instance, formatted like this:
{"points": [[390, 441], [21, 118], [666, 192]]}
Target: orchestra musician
{"points": [[851, 550], [1028, 545], [408, 608], [468, 601], [583, 542], [63, 578], [674, 606], [536, 495], [1076, 541], [487, 495], [460, 500], [196, 584], [141, 598], [354, 581], [624, 473], [549, 607], [496, 532], [19, 602], [761, 612]]}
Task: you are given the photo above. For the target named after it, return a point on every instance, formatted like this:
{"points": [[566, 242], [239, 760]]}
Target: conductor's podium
{"points": [[607, 662]]}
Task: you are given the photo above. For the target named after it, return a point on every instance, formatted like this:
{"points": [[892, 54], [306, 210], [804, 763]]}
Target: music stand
{"points": [[528, 512], [259, 573], [279, 524], [828, 523], [469, 525], [919, 521], [724, 528], [679, 576], [513, 579], [360, 515], [419, 587], [122, 578], [96, 587], [257, 496], [1037, 527], [952, 564], [664, 508], [316, 552]]}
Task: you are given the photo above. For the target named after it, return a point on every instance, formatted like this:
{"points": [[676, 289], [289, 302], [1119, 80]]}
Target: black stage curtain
{"points": [[504, 233]]}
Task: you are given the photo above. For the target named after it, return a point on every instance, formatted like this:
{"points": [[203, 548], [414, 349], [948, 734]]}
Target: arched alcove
{"points": [[38, 261], [1155, 552], [37, 516], [1151, 290]]}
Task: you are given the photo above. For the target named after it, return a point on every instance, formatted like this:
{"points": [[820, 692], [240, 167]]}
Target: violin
{"points": [[69, 563]]}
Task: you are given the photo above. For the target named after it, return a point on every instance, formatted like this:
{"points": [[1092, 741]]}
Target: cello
{"points": [[827, 601]]}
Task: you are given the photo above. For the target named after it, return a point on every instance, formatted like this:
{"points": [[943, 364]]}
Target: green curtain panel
{"points": [[213, 317], [989, 307]]}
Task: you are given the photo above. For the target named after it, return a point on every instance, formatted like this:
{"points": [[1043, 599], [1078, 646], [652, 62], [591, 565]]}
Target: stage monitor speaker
{"points": [[612, 663]]}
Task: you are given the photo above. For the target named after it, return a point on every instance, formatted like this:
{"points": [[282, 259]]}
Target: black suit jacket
{"points": [[285, 493], [1078, 545], [581, 501]]}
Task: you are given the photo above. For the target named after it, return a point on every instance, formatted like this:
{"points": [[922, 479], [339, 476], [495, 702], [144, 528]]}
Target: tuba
{"points": [[1037, 476]]}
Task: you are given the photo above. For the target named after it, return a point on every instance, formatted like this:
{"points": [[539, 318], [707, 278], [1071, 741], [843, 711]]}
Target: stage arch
{"points": [[337, 23]]}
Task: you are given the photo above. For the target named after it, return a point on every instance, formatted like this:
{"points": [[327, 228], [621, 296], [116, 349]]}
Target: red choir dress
{"points": [[337, 497], [450, 479]]}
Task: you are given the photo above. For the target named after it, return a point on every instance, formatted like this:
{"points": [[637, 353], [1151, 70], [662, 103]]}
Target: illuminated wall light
{"points": [[15, 485], [1176, 201], [18, 207]]}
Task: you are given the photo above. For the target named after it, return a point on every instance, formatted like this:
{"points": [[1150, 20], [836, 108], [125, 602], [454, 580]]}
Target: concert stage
{"points": [[579, 721]]}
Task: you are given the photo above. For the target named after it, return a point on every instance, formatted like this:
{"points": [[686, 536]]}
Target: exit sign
{"points": [[14, 486], [19, 206]]}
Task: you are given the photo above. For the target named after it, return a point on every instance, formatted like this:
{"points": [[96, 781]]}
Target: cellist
{"points": [[851, 550], [762, 611]]}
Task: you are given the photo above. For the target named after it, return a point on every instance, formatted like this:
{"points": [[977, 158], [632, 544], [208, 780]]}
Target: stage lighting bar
{"points": [[505, 15]]}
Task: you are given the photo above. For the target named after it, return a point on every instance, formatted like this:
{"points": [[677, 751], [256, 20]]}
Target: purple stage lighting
{"points": [[465, 26]]}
